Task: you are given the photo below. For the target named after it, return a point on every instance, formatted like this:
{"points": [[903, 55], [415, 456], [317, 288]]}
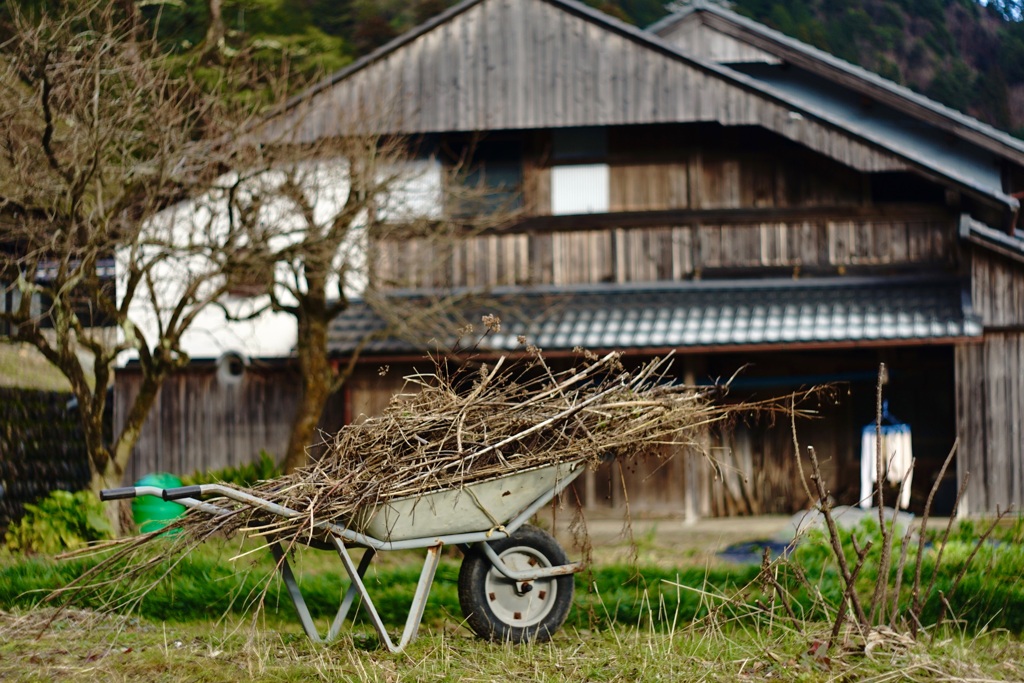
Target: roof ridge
{"points": [[376, 54], [574, 6]]}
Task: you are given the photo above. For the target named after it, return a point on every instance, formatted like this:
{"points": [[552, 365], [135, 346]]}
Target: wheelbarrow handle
{"points": [[117, 494], [182, 492]]}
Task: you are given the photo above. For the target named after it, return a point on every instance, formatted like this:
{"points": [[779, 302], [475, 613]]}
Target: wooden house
{"points": [[715, 189]]}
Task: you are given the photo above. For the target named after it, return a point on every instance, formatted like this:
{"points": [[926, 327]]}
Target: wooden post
{"points": [[589, 490], [692, 502]]}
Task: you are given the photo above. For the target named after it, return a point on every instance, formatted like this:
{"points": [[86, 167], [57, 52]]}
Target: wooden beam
{"points": [[483, 355], [743, 216]]}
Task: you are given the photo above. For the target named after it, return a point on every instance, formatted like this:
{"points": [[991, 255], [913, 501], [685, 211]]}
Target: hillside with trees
{"points": [[965, 55]]}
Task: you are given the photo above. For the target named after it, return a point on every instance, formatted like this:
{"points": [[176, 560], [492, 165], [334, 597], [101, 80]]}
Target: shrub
{"points": [[243, 475], [990, 593], [61, 521]]}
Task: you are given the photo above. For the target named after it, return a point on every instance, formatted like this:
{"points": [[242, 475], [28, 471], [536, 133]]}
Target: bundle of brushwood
{"points": [[465, 423], [490, 420], [462, 423]]}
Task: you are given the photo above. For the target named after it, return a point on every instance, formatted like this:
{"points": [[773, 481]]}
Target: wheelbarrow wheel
{"points": [[498, 608]]}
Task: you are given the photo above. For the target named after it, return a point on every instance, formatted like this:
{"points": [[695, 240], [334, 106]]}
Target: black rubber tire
{"points": [[493, 606]]}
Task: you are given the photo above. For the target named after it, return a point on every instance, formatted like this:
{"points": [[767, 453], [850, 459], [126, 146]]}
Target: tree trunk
{"points": [[317, 377], [108, 477], [107, 468], [215, 32]]}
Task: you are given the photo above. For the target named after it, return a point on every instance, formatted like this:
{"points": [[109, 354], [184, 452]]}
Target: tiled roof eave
{"points": [[776, 315]]}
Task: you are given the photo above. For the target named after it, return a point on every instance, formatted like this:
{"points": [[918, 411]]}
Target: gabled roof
{"points": [[719, 316], [492, 64], [760, 37]]}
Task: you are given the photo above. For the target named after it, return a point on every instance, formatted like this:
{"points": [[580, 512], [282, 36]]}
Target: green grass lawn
{"points": [[87, 646], [638, 623], [24, 367], [226, 578]]}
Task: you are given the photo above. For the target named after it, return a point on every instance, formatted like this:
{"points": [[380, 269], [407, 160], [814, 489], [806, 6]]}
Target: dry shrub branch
{"points": [[886, 613]]}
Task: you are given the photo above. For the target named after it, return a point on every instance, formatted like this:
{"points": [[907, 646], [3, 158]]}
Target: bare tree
{"points": [[98, 139], [314, 215]]}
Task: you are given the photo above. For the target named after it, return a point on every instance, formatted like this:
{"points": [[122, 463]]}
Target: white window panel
{"points": [[581, 188]]}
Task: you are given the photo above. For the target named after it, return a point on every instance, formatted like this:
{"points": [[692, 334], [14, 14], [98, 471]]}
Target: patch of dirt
{"points": [[665, 539]]}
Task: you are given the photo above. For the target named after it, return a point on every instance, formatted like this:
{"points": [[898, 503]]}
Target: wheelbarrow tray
{"points": [[481, 505]]}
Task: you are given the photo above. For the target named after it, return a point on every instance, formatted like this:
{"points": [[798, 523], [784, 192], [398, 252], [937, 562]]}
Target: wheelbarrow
{"points": [[515, 583]]}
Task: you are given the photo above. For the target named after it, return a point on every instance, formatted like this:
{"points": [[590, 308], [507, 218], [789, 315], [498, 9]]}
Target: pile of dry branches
{"points": [[460, 424], [477, 423]]}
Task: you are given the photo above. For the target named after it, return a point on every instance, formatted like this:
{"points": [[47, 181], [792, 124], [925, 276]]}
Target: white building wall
{"points": [[245, 325]]}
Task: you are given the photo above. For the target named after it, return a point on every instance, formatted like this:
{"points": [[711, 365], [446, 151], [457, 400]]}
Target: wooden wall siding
{"points": [[526, 64], [861, 243], [651, 484], [990, 403], [744, 472], [696, 38], [997, 289], [200, 424], [990, 388], [368, 392], [536, 188], [648, 187], [653, 255], [717, 180], [661, 253]]}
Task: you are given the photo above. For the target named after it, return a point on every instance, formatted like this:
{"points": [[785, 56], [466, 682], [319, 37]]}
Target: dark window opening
{"points": [[488, 175], [897, 187], [579, 145]]}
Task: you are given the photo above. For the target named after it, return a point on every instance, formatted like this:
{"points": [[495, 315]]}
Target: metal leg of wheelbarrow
{"points": [[358, 589], [300, 602], [419, 600], [351, 594]]}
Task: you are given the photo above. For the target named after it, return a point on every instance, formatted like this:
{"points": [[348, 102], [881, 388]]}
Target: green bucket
{"points": [[151, 513]]}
